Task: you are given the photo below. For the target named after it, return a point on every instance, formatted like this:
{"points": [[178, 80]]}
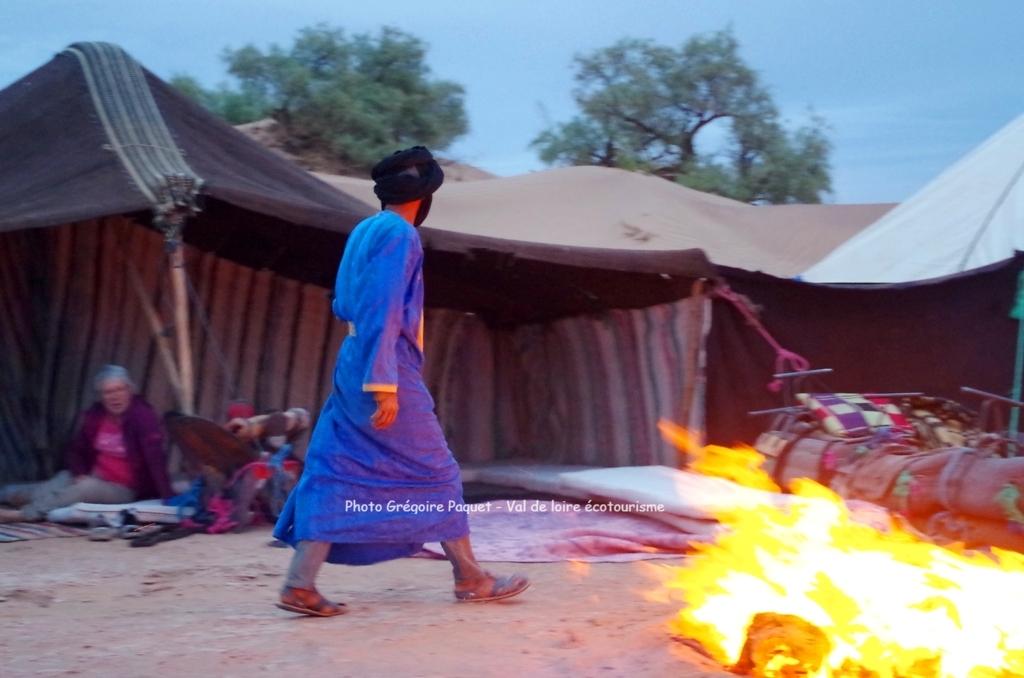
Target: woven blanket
{"points": [[544, 531], [24, 531]]}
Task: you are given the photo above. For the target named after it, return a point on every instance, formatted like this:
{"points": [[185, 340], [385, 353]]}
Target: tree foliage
{"points": [[644, 106], [358, 97], [235, 106]]}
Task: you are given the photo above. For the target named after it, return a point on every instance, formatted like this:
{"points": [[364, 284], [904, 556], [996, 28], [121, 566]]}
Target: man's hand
{"points": [[387, 410], [240, 427]]}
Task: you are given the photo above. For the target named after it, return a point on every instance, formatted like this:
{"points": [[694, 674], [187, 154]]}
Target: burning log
{"points": [[782, 646], [788, 646], [813, 588]]}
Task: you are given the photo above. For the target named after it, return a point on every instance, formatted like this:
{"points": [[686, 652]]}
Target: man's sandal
{"points": [[501, 588], [309, 602]]}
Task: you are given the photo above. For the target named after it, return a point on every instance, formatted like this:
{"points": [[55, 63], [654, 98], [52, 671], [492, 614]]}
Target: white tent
{"points": [[969, 216]]}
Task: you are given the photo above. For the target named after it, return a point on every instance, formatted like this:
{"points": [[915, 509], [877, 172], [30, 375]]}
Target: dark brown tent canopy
{"points": [[262, 211], [96, 151]]}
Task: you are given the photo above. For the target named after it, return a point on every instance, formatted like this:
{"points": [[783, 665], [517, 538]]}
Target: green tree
{"points": [[235, 106], [357, 98], [644, 106]]}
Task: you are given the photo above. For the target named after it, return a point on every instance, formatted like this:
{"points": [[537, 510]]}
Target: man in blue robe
{"points": [[379, 479]]}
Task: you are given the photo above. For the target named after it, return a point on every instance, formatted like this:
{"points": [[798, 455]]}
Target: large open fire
{"points": [[811, 591]]}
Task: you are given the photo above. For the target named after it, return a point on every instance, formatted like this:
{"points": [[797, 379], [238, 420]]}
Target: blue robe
{"points": [[377, 495]]}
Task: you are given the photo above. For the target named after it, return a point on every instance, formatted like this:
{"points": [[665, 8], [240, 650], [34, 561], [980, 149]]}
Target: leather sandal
{"points": [[309, 602], [501, 588]]}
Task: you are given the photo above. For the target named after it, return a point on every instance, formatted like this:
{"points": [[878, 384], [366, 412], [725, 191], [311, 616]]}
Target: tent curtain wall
{"points": [[933, 337], [70, 307], [584, 390]]}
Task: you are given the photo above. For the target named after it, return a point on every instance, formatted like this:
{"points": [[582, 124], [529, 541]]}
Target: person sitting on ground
{"points": [[272, 436], [117, 456]]}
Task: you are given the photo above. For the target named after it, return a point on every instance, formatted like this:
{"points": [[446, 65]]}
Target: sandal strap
{"points": [[319, 604]]}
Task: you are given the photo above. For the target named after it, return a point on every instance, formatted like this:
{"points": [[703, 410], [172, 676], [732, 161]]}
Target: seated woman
{"points": [[117, 456]]}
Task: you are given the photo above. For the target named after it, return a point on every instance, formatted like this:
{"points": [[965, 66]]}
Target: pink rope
{"points": [[785, 360]]}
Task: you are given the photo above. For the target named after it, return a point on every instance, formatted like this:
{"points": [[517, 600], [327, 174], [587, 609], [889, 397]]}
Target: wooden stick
{"points": [[181, 327], [162, 345], [693, 369], [803, 373], [778, 410], [992, 396]]}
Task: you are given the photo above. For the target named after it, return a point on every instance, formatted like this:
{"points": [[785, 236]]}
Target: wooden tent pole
{"points": [[155, 324], [175, 252], [693, 369]]}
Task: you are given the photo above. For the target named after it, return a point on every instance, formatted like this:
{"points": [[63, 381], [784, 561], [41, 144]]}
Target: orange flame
{"points": [[742, 465], [889, 604]]}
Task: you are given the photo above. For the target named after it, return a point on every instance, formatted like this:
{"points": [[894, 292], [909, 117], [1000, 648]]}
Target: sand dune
{"points": [[613, 208], [617, 209]]}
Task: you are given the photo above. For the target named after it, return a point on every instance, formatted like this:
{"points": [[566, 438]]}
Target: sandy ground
{"points": [[204, 606]]}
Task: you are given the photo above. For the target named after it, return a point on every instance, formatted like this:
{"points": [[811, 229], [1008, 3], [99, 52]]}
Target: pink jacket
{"points": [[143, 441]]}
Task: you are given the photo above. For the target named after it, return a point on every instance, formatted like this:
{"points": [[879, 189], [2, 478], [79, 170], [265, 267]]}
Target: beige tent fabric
{"points": [[613, 208], [969, 216]]}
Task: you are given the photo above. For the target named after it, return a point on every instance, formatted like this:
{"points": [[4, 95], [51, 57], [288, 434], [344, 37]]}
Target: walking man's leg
{"points": [[299, 593], [472, 582]]}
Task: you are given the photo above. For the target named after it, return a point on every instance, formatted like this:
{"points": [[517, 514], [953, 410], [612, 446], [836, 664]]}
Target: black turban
{"points": [[407, 175]]}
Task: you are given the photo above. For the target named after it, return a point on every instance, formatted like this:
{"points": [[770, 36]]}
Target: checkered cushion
{"points": [[851, 414]]}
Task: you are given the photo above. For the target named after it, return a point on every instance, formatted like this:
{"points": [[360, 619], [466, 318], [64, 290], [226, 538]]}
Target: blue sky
{"points": [[907, 86]]}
